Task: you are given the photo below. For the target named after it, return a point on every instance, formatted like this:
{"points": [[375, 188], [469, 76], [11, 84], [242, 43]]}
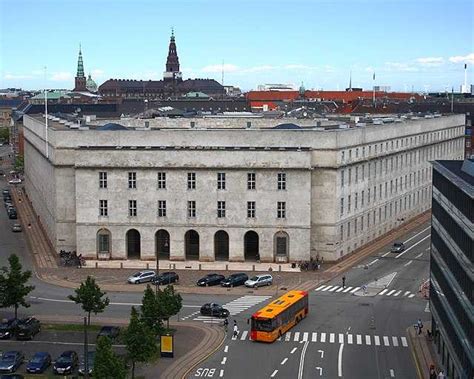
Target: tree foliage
{"points": [[4, 134], [19, 163], [13, 285], [151, 313], [90, 297], [107, 364], [140, 341], [170, 302]]}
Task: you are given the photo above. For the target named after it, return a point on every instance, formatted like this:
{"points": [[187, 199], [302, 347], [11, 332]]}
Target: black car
{"points": [[66, 363], [111, 332], [165, 278], [235, 280], [12, 215], [27, 328], [8, 328], [211, 280], [214, 310], [38, 363], [6, 192], [10, 361]]}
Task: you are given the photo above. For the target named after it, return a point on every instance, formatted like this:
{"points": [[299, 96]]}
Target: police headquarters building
{"points": [[231, 189]]}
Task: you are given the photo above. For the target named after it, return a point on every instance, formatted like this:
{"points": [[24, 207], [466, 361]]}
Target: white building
{"points": [[237, 192]]}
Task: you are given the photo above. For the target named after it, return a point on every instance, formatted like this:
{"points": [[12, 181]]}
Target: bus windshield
{"points": [[263, 325]]}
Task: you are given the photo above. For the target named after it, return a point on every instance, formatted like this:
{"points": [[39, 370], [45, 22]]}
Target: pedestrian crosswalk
{"points": [[234, 307], [333, 338], [352, 290]]}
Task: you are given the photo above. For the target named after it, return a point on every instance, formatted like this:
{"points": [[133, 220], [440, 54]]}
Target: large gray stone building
{"points": [[231, 189]]}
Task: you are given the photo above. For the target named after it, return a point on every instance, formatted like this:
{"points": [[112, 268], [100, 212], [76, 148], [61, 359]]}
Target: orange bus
{"points": [[275, 319]]}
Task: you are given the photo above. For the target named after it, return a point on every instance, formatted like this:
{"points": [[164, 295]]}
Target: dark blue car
{"points": [[38, 363]]}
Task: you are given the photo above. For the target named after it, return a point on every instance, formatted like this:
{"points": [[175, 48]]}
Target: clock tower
{"points": [[172, 62]]}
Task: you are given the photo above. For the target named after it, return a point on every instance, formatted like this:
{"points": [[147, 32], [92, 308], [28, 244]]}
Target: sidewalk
{"points": [[423, 350]]}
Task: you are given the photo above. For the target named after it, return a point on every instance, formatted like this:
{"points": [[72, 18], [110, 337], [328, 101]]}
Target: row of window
{"points": [[396, 186], [191, 180], [191, 209], [402, 142], [383, 213], [388, 165]]}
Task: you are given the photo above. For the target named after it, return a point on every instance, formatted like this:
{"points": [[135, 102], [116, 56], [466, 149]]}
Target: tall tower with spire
{"points": [[172, 62], [80, 80]]}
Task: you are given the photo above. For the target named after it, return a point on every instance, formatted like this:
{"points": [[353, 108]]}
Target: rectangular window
{"points": [[349, 203], [350, 176], [102, 179], [191, 180], [357, 175], [132, 208], [362, 199], [342, 178], [132, 180], [281, 181], [103, 208], [251, 209], [281, 209], [341, 228], [251, 181], [191, 209], [342, 206], [221, 180], [161, 208], [221, 209], [162, 180], [356, 201]]}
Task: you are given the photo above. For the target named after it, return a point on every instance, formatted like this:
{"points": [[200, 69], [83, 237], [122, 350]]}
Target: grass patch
{"points": [[69, 327]]}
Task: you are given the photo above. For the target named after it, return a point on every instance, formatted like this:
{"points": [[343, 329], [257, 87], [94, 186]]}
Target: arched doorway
{"points": [[281, 243], [191, 245], [251, 249], [133, 244], [221, 246], [104, 238], [162, 244]]}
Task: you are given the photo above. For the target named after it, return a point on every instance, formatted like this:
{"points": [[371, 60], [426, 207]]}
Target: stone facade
{"points": [[299, 182]]}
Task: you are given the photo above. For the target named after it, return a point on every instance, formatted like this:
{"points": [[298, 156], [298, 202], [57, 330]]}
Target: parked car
{"points": [[16, 228], [27, 328], [210, 280], [6, 192], [214, 310], [141, 277], [111, 332], [259, 281], [8, 328], [166, 278], [10, 361], [66, 363], [15, 181], [12, 214], [236, 279], [38, 363], [397, 247], [90, 363]]}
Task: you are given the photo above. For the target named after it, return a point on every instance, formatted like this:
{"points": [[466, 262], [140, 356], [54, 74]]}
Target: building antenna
{"points": [[46, 114], [222, 79], [465, 78]]}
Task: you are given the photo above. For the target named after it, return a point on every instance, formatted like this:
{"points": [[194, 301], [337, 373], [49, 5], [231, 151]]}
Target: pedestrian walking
{"points": [[364, 289], [441, 374], [226, 324], [433, 372], [236, 329], [343, 282], [419, 324]]}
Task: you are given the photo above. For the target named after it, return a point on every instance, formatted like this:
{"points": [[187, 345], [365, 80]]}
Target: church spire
{"points": [[172, 62], [80, 65], [80, 80]]}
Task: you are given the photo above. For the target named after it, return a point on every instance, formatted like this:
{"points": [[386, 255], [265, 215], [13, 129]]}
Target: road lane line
{"points": [[244, 335], [404, 342], [390, 293], [386, 341], [221, 373], [412, 295], [287, 336], [377, 340], [367, 340], [296, 337], [387, 253], [293, 350], [341, 338], [354, 290], [395, 341], [333, 289], [383, 291], [322, 337], [408, 263], [419, 255], [339, 361], [273, 374], [424, 230], [224, 360], [349, 339], [284, 361], [371, 263], [412, 246], [314, 337], [303, 353], [340, 289], [332, 338], [406, 293], [305, 336], [359, 339], [321, 287], [226, 349], [347, 289], [111, 303], [327, 288], [398, 293]]}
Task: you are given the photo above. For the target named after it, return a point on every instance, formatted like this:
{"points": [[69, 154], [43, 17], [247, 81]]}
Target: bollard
{"points": [[96, 264], [199, 267], [227, 267], [147, 266], [121, 264], [279, 268], [253, 267]]}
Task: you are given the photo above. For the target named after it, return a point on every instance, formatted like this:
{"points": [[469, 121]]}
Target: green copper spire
{"points": [[80, 65]]}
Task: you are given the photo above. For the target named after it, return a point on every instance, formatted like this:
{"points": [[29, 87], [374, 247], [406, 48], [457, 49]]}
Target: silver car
{"points": [[141, 277], [259, 281]]}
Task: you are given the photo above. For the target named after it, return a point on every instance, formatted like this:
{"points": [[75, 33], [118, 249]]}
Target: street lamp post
{"points": [[86, 362]]}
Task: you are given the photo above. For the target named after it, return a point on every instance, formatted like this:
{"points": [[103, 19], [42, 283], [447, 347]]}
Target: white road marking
{"points": [[416, 235], [419, 255], [327, 288], [303, 353], [221, 373], [406, 293], [367, 339], [377, 340], [427, 249], [395, 341], [408, 263], [387, 253], [371, 263], [383, 291], [284, 361], [354, 290], [287, 336], [398, 293], [339, 361], [244, 334], [412, 246], [111, 303], [404, 342], [385, 341], [392, 373], [359, 339], [322, 337], [293, 350], [333, 289], [427, 307], [341, 338], [322, 353], [347, 289], [332, 337], [297, 336], [305, 336], [412, 295], [349, 339], [224, 360], [273, 374], [321, 287], [314, 337], [226, 349], [340, 289], [390, 293]]}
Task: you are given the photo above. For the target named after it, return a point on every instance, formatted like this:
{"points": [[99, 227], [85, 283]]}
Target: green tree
{"points": [[13, 285], [140, 341], [170, 303], [19, 163], [151, 311], [4, 134], [90, 297], [107, 364]]}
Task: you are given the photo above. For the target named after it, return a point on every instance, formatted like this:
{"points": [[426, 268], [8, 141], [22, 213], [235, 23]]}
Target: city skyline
{"points": [[408, 46]]}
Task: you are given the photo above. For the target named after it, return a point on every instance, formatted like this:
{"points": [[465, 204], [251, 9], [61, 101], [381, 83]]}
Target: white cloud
{"points": [[61, 76], [17, 76], [259, 68], [430, 61], [97, 73], [399, 66], [297, 67], [214, 68], [463, 59]]}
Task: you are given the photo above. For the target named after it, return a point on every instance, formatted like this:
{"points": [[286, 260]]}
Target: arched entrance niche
{"points": [[133, 244], [162, 244], [221, 246], [251, 246], [191, 245]]}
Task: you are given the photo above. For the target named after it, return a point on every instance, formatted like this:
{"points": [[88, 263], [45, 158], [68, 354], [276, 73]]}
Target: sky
{"points": [[408, 44]]}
